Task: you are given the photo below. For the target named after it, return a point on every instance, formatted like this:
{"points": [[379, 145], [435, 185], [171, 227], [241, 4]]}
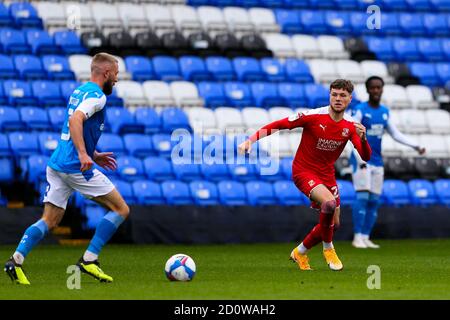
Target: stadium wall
{"points": [[242, 224]]}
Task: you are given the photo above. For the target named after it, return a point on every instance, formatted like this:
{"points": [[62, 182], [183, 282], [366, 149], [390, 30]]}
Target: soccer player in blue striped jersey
{"points": [[70, 169], [368, 176]]}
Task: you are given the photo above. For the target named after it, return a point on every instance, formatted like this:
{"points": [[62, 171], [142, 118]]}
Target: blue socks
{"points": [[371, 214], [105, 230], [31, 238], [359, 211]]}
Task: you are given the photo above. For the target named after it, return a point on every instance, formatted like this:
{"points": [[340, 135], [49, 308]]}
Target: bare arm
{"points": [[76, 132]]}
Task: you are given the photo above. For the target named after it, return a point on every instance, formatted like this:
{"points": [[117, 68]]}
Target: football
{"points": [[180, 267]]}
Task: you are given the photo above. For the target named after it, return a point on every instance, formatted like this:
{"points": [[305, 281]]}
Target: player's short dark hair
{"points": [[373, 78], [342, 84]]}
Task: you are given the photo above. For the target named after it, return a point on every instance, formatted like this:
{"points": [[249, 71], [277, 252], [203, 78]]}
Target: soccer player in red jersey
{"points": [[326, 131]]}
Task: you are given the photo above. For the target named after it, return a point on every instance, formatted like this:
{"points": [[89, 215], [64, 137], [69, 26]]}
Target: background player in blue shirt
{"points": [[70, 169], [368, 177]]}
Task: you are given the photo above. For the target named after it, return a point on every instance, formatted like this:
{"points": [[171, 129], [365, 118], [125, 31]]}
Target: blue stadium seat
{"points": [[130, 168], [260, 193], [242, 170], [265, 95], [140, 67], [213, 94], [347, 192], [25, 15], [394, 5], [18, 93], [298, 71], [338, 22], [422, 192], [269, 169], [41, 42], [120, 121], [47, 93], [149, 118], [5, 18], [36, 166], [138, 145], [425, 72], [176, 192], [68, 87], [293, 94], [232, 193], [10, 119], [313, 21], [166, 68], [110, 142], [288, 194], [174, 118], [187, 147], [35, 118], [443, 72], [204, 193], [430, 49], [5, 150], [442, 187], [7, 69], [23, 143], [162, 144], [347, 4], [390, 25], [358, 21], [125, 189], [57, 116], [395, 192], [217, 147], [317, 95], [419, 5], [238, 93], [158, 169], [412, 24], [6, 170], [94, 214], [248, 69], [445, 43], [382, 47], [215, 171], [440, 5], [3, 99], [286, 167], [29, 67], [13, 41], [405, 49], [147, 192], [322, 4], [57, 67], [220, 68], [193, 68], [436, 24], [48, 141], [186, 171], [69, 42], [273, 69], [289, 21], [295, 4]]}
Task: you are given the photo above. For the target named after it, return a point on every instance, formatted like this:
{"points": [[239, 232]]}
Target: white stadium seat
{"points": [[360, 92], [376, 68], [133, 17], [351, 70], [277, 113], [185, 18], [280, 44], [406, 150], [158, 93], [80, 64], [306, 46], [323, 70], [395, 97], [131, 92], [413, 121], [186, 94], [332, 47], [238, 19], [389, 147], [436, 146], [80, 15], [421, 97], [160, 17], [254, 118], [447, 142], [123, 74], [294, 140], [106, 16], [202, 120], [395, 118], [438, 121], [229, 119], [53, 14], [212, 19], [277, 145], [263, 19]]}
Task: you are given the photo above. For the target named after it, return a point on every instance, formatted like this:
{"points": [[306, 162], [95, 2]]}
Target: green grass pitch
{"points": [[410, 269]]}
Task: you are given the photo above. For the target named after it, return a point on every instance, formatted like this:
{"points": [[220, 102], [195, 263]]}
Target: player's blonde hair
{"points": [[100, 60]]}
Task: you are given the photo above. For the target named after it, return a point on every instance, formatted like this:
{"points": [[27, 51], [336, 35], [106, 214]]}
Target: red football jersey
{"points": [[323, 141]]}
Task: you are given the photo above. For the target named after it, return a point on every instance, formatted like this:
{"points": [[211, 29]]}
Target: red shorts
{"points": [[307, 181]]}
